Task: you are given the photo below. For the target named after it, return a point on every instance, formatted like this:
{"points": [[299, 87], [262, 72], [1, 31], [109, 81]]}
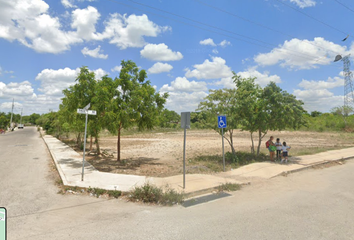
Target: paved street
{"points": [[312, 204]]}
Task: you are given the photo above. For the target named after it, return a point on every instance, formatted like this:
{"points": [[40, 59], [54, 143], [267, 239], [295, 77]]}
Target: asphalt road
{"points": [[312, 204]]}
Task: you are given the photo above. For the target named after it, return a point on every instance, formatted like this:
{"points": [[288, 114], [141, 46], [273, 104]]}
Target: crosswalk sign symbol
{"points": [[222, 122]]}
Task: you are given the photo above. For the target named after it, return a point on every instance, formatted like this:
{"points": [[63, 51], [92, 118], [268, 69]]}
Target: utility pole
{"points": [[21, 116], [348, 85], [12, 112]]}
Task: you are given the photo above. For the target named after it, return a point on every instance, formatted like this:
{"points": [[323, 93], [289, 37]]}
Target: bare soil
{"points": [[161, 154]]}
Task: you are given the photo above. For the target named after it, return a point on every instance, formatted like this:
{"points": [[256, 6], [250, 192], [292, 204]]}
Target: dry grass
{"points": [[160, 154]]}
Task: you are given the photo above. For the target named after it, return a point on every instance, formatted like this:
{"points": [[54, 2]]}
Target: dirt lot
{"points": [[161, 154]]}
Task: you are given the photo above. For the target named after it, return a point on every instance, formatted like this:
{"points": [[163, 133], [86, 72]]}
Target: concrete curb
{"points": [[60, 171], [312, 165], [206, 191]]}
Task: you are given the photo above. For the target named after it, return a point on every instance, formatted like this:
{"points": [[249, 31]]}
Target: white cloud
{"points": [[29, 22], [227, 82], [53, 82], [224, 43], [16, 90], [214, 69], [116, 68], [262, 78], [160, 67], [184, 95], [301, 54], [130, 31], [316, 95], [84, 21], [68, 4], [215, 51], [182, 102], [304, 3], [207, 41], [330, 83], [160, 52], [182, 84], [95, 53], [99, 73], [318, 99]]}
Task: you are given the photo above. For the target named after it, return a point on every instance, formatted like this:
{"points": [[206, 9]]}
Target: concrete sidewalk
{"points": [[69, 165]]}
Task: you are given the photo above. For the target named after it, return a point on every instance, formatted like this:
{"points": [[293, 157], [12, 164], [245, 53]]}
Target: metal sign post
{"points": [[222, 124], [185, 123], [87, 112]]}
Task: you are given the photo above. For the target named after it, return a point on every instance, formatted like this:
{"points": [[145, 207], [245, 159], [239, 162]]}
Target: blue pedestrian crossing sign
{"points": [[222, 122]]}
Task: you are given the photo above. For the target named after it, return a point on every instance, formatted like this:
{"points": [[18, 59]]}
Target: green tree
{"points": [[78, 96], [264, 109], [4, 121], [33, 118], [135, 102], [221, 102], [169, 118], [101, 102], [316, 114], [342, 110]]}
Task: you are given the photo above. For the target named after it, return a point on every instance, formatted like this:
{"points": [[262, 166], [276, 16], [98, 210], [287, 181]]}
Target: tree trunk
{"points": [[252, 148], [231, 131], [232, 147], [259, 141], [118, 143], [91, 143], [98, 150], [78, 140]]}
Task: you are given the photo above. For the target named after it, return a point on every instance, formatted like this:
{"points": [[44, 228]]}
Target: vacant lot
{"points": [[161, 154]]}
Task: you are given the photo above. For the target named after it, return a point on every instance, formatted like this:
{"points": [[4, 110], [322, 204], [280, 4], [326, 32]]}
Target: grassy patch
{"points": [[314, 150], [151, 194], [230, 187], [214, 163], [97, 192], [114, 193]]}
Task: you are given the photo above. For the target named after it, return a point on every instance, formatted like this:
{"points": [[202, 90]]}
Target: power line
{"points": [[313, 18], [258, 24], [196, 21], [189, 24], [302, 55], [344, 5]]}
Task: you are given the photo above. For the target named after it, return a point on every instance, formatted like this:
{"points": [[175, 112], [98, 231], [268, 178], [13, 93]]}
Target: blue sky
{"points": [[187, 46]]}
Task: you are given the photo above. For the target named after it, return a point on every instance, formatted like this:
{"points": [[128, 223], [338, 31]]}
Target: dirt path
{"points": [[161, 154]]}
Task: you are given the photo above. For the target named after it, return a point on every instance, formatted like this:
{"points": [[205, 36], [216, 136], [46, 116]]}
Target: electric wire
{"points": [[350, 9], [302, 55], [189, 24], [313, 18], [259, 24]]}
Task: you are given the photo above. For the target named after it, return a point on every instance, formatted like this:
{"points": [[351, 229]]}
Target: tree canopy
{"points": [[120, 103]]}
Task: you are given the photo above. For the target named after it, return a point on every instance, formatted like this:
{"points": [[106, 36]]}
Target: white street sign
{"points": [[87, 106], [91, 112], [81, 111]]}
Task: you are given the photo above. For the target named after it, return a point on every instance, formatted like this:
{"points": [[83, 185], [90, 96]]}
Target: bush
{"points": [[152, 194], [230, 187], [98, 192], [114, 193]]}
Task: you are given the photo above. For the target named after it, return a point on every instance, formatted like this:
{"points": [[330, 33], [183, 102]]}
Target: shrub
{"points": [[114, 193], [98, 192], [152, 194], [230, 187]]}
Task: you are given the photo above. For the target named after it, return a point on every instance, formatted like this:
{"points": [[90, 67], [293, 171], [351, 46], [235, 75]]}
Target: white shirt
{"points": [[285, 148], [279, 145]]}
